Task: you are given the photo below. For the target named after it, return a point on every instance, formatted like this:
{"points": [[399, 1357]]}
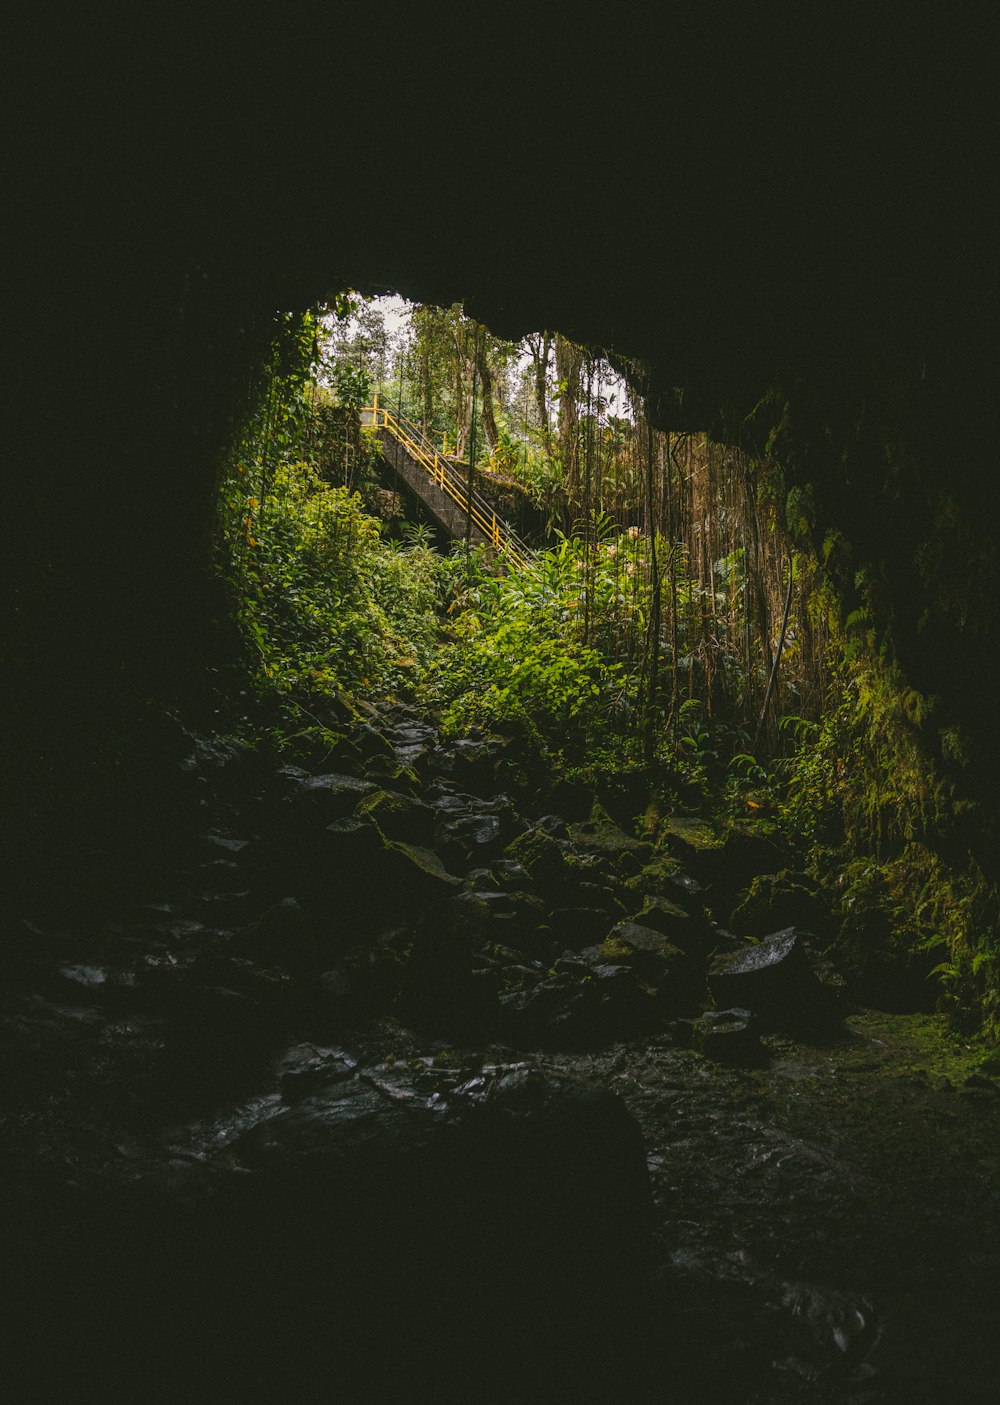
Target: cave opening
{"points": [[387, 1012], [550, 925]]}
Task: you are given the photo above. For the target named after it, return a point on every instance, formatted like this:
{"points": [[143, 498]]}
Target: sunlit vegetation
{"points": [[679, 612]]}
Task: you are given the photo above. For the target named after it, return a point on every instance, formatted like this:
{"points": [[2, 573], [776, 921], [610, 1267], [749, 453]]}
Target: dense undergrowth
{"points": [[617, 652]]}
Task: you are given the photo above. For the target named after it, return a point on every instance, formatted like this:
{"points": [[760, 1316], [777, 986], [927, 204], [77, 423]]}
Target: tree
{"points": [[540, 346], [569, 363]]}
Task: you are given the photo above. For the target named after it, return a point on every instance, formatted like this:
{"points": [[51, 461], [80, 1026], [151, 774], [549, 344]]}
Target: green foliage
{"points": [[863, 766], [562, 649], [866, 796], [325, 601], [516, 655]]}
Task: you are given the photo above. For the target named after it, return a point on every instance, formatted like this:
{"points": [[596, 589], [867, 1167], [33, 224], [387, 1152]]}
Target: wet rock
{"points": [[508, 916], [511, 1195], [416, 879], [413, 756], [470, 829], [469, 838], [225, 844], [307, 1068], [552, 1012], [476, 764], [385, 771], [693, 844], [111, 987], [634, 937], [743, 855], [414, 734], [402, 1223], [324, 799], [288, 777], [509, 872], [729, 1037], [573, 966], [774, 979]]}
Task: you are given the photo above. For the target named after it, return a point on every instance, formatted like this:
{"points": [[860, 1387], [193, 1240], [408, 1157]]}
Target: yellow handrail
{"points": [[441, 472]]}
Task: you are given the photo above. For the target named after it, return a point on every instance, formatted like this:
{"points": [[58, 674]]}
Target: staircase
{"points": [[441, 484]]}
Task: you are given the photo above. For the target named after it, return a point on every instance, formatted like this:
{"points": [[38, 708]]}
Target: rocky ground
{"points": [[415, 1074]]}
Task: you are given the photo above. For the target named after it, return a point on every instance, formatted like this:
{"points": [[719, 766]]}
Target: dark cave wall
{"points": [[758, 205]]}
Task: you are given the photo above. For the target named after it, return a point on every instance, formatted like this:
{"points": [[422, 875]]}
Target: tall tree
{"points": [[569, 363], [540, 346], [486, 390]]}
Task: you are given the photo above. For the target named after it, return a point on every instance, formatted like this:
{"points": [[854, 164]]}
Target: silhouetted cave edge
{"points": [[776, 205]]}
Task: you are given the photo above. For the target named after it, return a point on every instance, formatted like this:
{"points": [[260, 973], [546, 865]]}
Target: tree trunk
{"points": [[426, 387], [540, 353], [569, 361], [486, 395]]}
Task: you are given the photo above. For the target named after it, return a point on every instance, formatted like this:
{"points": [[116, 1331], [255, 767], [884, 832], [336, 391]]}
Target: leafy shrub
{"points": [[325, 601]]}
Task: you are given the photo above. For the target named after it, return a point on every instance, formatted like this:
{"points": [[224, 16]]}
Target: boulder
{"points": [[662, 878], [778, 900], [397, 816], [372, 745], [678, 980], [600, 835], [542, 857], [353, 881], [306, 1068], [687, 930], [323, 799], [744, 853], [399, 1227], [774, 979], [693, 844]]}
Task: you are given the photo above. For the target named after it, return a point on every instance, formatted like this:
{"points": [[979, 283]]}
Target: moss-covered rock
{"points": [[776, 900], [599, 834], [542, 857], [398, 817], [677, 977], [687, 930]]}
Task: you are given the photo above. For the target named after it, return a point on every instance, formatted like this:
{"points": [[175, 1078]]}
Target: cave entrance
{"points": [[658, 558]]}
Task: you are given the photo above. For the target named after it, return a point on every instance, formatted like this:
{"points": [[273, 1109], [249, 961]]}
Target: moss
{"points": [[654, 878], [776, 900], [696, 832]]}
